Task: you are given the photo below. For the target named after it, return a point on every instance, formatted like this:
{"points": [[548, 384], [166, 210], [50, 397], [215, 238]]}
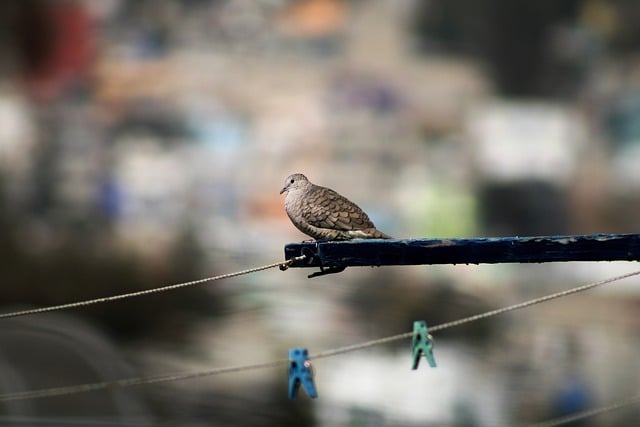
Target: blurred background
{"points": [[144, 143]]}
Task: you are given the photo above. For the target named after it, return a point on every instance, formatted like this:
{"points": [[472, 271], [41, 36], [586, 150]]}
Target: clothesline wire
{"points": [[129, 382], [67, 390], [588, 413], [473, 318], [282, 264]]}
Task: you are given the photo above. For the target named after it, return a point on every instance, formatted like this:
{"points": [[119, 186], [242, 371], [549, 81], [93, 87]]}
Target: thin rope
{"points": [[283, 266], [129, 382], [59, 391], [531, 302], [367, 344], [588, 413], [480, 316]]}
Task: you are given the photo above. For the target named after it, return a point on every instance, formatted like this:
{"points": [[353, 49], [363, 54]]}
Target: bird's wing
{"points": [[324, 208]]}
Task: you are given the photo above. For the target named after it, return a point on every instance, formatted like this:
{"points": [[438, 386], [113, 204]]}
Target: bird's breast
{"points": [[292, 201]]}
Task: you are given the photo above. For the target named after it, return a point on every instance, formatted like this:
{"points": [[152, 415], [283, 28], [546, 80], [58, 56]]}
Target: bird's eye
{"points": [[291, 182]]}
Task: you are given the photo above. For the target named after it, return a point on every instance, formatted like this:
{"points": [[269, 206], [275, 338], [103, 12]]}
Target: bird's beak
{"points": [[283, 190]]}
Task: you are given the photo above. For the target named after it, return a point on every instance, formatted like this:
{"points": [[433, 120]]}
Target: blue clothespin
{"points": [[422, 344], [300, 372]]}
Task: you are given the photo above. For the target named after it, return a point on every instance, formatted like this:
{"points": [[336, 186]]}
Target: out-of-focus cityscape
{"points": [[144, 143]]}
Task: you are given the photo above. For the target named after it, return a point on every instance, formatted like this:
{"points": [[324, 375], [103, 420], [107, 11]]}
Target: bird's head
{"points": [[295, 181]]}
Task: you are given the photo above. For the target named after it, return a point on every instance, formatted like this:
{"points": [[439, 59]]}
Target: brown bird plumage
{"points": [[324, 214]]}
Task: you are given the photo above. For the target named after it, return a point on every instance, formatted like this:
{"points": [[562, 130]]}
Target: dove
{"points": [[323, 214]]}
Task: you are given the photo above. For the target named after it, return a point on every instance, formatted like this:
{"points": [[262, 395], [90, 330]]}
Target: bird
{"points": [[323, 214]]}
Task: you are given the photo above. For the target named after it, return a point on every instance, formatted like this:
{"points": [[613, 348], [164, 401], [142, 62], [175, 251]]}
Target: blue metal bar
{"points": [[335, 256]]}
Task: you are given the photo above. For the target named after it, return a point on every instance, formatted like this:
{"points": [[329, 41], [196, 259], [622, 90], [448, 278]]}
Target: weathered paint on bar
{"points": [[596, 247]]}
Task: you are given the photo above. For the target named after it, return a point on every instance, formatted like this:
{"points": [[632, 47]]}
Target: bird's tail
{"points": [[377, 234]]}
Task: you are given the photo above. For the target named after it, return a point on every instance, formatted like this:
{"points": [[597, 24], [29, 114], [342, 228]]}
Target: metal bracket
{"points": [[313, 257], [327, 270]]}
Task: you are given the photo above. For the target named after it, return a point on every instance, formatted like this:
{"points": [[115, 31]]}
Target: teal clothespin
{"points": [[422, 344], [300, 372]]}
